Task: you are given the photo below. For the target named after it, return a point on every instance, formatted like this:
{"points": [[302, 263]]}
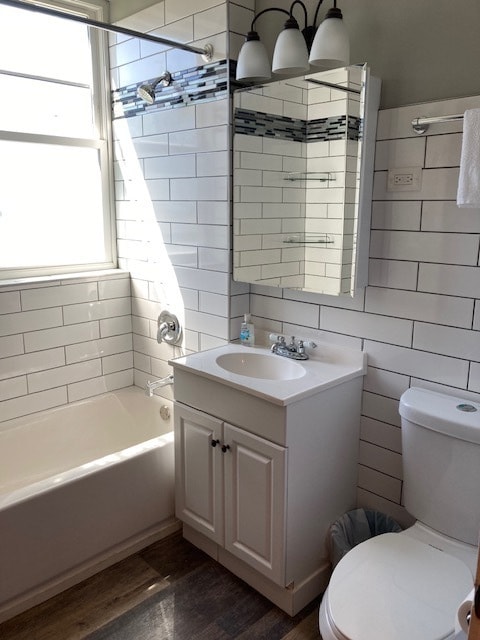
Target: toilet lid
{"points": [[393, 586]]}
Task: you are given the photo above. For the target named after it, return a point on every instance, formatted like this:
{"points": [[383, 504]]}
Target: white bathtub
{"points": [[81, 487]]}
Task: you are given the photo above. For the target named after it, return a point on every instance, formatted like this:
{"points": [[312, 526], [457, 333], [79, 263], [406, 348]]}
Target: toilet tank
{"points": [[441, 462]]}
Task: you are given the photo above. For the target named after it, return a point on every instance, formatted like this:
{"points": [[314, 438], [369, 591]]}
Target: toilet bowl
{"points": [[409, 585], [396, 586]]}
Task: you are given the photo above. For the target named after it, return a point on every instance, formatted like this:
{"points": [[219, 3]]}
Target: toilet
{"points": [[409, 585]]}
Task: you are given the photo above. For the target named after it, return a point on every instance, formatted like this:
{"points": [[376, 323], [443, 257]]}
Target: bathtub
{"points": [[81, 487]]}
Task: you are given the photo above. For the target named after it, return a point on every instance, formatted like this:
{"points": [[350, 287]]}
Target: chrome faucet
{"points": [[293, 350], [280, 347], [155, 384]]}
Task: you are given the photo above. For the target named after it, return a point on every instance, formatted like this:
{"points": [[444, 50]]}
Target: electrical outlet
{"points": [[405, 179], [402, 178]]}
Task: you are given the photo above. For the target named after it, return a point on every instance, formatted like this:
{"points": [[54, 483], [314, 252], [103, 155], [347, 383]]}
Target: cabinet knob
{"points": [[225, 447], [215, 442]]}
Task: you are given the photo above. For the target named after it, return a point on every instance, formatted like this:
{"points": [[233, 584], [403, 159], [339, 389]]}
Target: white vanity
{"points": [[266, 459]]}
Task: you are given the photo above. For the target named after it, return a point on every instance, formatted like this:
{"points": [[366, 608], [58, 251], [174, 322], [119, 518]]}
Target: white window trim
{"points": [[97, 10]]}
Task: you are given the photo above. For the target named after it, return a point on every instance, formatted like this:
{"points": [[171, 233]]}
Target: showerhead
{"points": [[147, 91]]}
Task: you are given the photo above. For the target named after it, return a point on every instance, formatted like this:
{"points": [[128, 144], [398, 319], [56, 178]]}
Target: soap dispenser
{"points": [[247, 331]]}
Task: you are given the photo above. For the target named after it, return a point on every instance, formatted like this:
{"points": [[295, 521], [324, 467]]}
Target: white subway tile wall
{"points": [[419, 318], [173, 173], [64, 340]]}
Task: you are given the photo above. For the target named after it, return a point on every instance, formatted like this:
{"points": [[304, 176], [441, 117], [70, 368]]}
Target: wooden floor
{"points": [[170, 590]]}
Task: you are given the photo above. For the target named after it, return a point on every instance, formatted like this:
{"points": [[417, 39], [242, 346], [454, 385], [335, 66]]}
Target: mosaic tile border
{"points": [[190, 86], [258, 123], [213, 81]]}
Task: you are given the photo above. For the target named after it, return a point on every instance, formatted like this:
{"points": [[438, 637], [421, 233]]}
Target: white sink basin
{"points": [[260, 365], [257, 371]]}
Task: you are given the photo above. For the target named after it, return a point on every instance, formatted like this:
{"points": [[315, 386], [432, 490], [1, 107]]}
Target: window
{"points": [[55, 159]]}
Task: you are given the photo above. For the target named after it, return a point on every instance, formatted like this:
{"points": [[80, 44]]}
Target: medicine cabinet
{"points": [[302, 181]]}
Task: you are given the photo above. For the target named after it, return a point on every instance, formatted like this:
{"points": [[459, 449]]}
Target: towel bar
{"points": [[420, 125]]}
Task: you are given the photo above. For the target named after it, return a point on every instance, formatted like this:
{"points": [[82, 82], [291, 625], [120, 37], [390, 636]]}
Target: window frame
{"points": [[96, 10]]}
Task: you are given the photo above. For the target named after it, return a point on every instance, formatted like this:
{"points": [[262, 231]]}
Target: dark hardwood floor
{"points": [[170, 590]]}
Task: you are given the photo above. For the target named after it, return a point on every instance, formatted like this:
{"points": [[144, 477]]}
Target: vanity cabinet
{"points": [[262, 471], [230, 486]]}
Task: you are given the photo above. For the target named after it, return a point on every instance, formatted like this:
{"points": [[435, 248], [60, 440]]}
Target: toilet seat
{"points": [[396, 587]]}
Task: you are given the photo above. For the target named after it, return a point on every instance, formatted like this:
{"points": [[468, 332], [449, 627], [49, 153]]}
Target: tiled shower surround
{"points": [[418, 320], [205, 82], [63, 340]]}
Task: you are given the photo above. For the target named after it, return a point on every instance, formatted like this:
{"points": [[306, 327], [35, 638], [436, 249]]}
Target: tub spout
{"points": [[156, 384]]}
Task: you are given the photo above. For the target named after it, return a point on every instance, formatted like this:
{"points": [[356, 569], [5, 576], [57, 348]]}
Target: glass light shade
{"points": [[253, 63], [331, 47], [290, 54]]}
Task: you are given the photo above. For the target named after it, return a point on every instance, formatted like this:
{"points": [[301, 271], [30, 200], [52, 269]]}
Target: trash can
{"points": [[355, 527]]}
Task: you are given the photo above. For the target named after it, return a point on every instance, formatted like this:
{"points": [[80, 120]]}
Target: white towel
{"points": [[468, 194]]}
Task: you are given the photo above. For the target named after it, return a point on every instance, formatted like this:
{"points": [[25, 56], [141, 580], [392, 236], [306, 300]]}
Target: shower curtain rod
{"points": [[420, 125], [206, 52]]}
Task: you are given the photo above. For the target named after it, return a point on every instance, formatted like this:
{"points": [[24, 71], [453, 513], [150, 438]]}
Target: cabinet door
{"points": [[255, 496], [198, 471]]}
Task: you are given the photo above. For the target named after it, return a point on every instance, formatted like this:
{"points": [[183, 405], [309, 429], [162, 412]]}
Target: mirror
{"points": [[302, 181]]}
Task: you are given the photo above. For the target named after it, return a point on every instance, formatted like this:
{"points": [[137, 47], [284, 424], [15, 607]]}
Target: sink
{"points": [[260, 365], [259, 372]]}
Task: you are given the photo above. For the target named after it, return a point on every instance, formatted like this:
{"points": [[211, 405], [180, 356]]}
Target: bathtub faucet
{"points": [[155, 384]]}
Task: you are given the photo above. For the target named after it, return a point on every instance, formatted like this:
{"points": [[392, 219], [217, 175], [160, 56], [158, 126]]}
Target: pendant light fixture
{"points": [[291, 54], [330, 47], [253, 64]]}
